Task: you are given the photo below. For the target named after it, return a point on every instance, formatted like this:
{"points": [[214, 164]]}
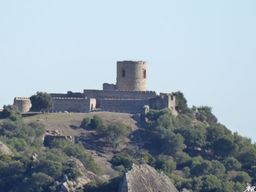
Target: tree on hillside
{"points": [[248, 157], [98, 123], [116, 132], [171, 142], [224, 146], [215, 132], [204, 114], [181, 102], [194, 136], [231, 163], [11, 112], [41, 101]]}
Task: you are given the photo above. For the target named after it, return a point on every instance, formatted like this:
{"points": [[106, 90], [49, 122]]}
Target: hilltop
{"points": [[68, 123], [192, 148]]}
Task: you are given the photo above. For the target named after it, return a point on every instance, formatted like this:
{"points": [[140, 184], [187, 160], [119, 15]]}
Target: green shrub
{"points": [[85, 122], [123, 159], [163, 163], [97, 122], [148, 158], [11, 112]]}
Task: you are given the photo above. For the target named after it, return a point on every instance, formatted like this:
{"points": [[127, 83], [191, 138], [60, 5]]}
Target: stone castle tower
{"points": [[129, 94], [131, 75]]}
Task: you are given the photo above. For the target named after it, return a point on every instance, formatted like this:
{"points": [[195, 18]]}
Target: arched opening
{"points": [[144, 73], [123, 73]]}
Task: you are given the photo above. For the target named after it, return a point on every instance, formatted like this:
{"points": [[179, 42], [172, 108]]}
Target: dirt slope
{"points": [[68, 123]]}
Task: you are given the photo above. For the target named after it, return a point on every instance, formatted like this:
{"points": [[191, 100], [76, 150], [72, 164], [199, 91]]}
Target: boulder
{"points": [[5, 150], [144, 178]]}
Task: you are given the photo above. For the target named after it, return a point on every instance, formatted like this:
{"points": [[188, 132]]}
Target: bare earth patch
{"points": [[68, 123]]}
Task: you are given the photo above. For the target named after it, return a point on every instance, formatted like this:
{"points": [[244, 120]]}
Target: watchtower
{"points": [[131, 75]]}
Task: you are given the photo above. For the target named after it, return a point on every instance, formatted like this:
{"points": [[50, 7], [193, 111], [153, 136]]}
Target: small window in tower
{"points": [[123, 73], [144, 74]]}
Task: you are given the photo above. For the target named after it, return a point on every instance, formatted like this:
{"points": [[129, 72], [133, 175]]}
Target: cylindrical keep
{"points": [[131, 75], [23, 104]]}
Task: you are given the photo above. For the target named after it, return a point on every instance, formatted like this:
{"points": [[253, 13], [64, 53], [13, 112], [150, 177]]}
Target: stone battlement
{"points": [[120, 99], [22, 98], [71, 98], [133, 91]]}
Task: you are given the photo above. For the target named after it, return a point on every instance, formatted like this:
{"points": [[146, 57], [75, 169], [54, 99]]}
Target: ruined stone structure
{"points": [[129, 94], [143, 178]]}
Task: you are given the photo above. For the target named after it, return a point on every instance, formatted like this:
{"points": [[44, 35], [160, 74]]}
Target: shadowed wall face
{"points": [[73, 104], [131, 75]]}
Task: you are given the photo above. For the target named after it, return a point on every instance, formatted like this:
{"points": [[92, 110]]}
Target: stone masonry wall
{"points": [[107, 86], [163, 101], [123, 105], [68, 94], [159, 102], [22, 103], [99, 94], [131, 75], [73, 104]]}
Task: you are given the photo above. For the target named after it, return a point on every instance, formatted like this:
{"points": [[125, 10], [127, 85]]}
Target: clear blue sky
{"points": [[206, 49]]}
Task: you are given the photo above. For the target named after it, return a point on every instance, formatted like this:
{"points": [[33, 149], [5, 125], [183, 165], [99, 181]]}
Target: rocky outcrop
{"points": [[143, 178], [5, 150], [86, 176], [67, 185]]}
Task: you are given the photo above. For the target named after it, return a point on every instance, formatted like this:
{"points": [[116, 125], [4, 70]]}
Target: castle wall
{"points": [[123, 105], [99, 94], [73, 104], [68, 94], [129, 94], [22, 103], [163, 101], [131, 75], [107, 86]]}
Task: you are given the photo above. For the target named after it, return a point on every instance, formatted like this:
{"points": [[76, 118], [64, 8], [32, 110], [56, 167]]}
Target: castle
{"points": [[129, 94]]}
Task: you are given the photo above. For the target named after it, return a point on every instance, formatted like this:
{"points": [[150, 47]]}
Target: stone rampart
{"points": [[68, 94], [73, 104], [123, 105], [22, 103], [107, 86], [163, 101], [123, 94]]}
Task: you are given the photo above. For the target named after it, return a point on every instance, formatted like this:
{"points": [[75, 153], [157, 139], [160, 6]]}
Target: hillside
{"points": [[68, 123], [192, 148]]}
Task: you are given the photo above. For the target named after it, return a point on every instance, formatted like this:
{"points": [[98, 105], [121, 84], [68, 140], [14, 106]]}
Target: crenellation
{"points": [[70, 98], [22, 98], [120, 99]]}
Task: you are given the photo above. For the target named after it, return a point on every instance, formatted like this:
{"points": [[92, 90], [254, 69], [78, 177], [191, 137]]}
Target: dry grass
{"points": [[68, 123]]}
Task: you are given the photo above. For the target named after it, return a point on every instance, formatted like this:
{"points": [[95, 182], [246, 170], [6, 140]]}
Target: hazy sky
{"points": [[205, 49]]}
